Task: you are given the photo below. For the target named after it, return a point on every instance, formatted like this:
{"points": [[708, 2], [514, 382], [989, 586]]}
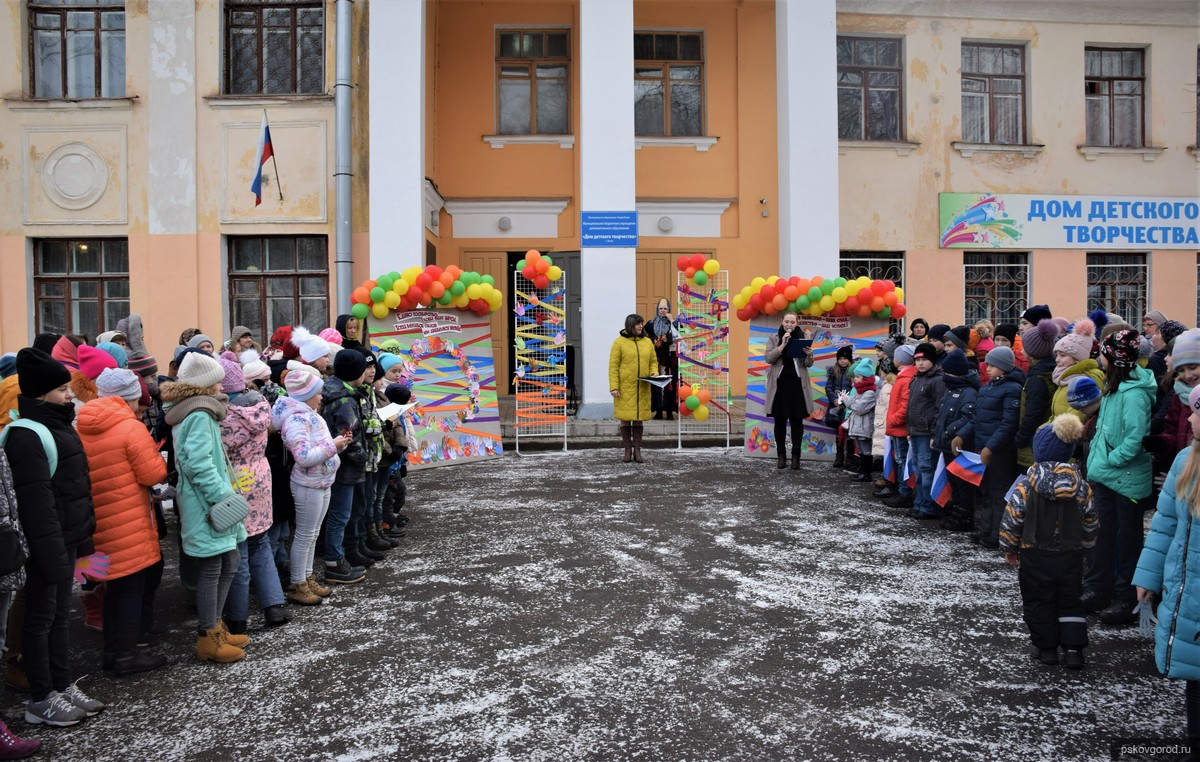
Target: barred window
{"points": [[668, 83], [278, 280], [80, 286], [274, 47], [1117, 283], [996, 287], [876, 265], [993, 93], [77, 49], [870, 88], [533, 83], [1114, 86]]}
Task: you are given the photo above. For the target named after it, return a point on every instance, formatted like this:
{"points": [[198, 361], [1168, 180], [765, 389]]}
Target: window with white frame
{"points": [[1117, 283], [533, 84], [80, 286], [1114, 86], [870, 88], [993, 93], [668, 83], [996, 287], [77, 48]]}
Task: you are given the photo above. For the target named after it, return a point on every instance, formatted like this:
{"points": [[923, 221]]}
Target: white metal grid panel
{"points": [[703, 350], [540, 361]]}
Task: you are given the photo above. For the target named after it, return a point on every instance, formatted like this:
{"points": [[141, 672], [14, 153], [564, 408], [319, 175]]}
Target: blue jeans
{"points": [[256, 564], [278, 535], [343, 522], [922, 456], [377, 484], [900, 452]]}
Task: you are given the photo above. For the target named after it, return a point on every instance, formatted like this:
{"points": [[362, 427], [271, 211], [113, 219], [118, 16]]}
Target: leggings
{"points": [[311, 506], [213, 580], [781, 425]]}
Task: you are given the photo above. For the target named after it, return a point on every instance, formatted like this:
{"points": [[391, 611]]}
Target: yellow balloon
{"points": [[701, 413], [757, 284], [485, 290], [400, 287], [738, 302], [474, 291], [771, 280], [496, 300], [712, 267], [380, 310], [461, 300], [826, 303], [839, 295], [815, 310], [864, 280], [554, 273], [391, 299], [899, 294], [852, 288]]}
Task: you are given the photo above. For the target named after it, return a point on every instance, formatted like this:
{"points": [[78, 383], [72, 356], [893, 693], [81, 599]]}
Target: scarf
{"points": [[1183, 390], [661, 326], [864, 385], [214, 405]]}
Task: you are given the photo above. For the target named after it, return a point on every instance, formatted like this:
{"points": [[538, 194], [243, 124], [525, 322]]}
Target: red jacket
{"points": [[124, 464], [897, 412]]}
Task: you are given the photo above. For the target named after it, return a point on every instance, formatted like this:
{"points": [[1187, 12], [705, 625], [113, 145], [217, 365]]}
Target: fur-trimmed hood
{"points": [[181, 398]]}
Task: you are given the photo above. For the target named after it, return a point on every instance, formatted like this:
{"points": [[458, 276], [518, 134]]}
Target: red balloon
{"points": [[768, 293], [434, 271], [698, 261], [795, 281], [683, 262], [891, 285], [684, 409], [690, 272], [541, 281], [756, 301], [475, 304], [423, 281], [414, 293], [743, 314], [529, 271], [426, 299], [899, 310], [877, 304], [851, 304], [839, 310]]}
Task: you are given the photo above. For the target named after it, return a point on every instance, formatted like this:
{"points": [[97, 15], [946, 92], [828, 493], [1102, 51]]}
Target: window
{"points": [[1114, 86], [77, 48], [668, 83], [275, 47], [876, 265], [996, 287], [1117, 283], [532, 83], [993, 93], [870, 82], [80, 286], [276, 281]]}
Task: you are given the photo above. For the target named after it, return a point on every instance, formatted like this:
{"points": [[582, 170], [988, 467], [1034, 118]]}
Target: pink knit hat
{"points": [[234, 380], [1078, 343], [92, 361], [331, 335], [300, 385]]}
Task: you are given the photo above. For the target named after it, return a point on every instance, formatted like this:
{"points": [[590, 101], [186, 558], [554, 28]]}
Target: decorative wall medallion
{"points": [[74, 176]]}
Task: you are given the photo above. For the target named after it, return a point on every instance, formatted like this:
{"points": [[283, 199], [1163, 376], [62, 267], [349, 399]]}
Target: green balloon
{"points": [[700, 277], [377, 294], [839, 282], [395, 276], [360, 311], [692, 402], [385, 282], [884, 313], [814, 294], [827, 287], [445, 297], [457, 288], [802, 302], [794, 306], [472, 278], [492, 281], [520, 265]]}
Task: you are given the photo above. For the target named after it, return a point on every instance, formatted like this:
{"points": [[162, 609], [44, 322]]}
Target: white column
{"points": [[606, 184], [397, 134], [171, 118], [806, 78]]}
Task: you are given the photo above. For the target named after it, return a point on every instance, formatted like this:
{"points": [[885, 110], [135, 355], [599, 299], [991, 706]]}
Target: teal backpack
{"points": [[43, 434]]}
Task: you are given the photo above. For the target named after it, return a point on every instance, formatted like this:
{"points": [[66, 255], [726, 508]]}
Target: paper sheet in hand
{"points": [[659, 381], [390, 412]]}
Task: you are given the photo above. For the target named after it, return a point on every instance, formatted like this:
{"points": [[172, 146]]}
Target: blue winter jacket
{"points": [[1170, 565], [956, 412], [998, 412]]}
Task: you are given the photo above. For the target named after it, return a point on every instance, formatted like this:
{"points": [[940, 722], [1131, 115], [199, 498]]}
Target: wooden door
{"points": [[655, 280]]}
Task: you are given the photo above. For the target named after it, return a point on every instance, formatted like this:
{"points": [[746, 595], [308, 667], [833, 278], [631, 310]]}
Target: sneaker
{"points": [[13, 746], [1073, 658], [89, 705], [56, 709], [342, 573], [316, 588]]}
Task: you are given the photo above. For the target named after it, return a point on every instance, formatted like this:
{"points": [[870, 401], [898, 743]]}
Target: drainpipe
{"points": [[344, 257]]}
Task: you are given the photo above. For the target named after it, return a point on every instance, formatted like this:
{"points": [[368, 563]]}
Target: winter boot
{"points": [[375, 542], [234, 633], [132, 662], [316, 588], [670, 415], [14, 676], [13, 746], [626, 439], [357, 559], [212, 646], [93, 609], [637, 442], [658, 415], [300, 593], [839, 459], [377, 555], [795, 458], [864, 473], [782, 456], [381, 530]]}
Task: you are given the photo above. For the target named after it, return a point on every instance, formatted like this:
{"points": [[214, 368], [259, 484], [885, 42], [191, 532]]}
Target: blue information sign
{"points": [[608, 230]]}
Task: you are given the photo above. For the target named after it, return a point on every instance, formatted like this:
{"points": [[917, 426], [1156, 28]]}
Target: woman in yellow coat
{"points": [[632, 356]]}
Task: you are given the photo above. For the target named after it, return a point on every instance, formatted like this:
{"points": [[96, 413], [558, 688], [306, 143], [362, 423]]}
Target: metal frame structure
{"points": [[540, 360]]}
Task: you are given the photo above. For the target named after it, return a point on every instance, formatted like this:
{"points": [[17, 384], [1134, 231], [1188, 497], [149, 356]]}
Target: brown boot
{"points": [[212, 646], [240, 640], [301, 593], [316, 588], [625, 440], [637, 442]]}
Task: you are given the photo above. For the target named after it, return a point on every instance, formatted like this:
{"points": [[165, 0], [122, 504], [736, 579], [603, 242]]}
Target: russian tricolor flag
{"points": [[889, 460], [940, 491], [968, 467], [265, 151], [910, 469]]}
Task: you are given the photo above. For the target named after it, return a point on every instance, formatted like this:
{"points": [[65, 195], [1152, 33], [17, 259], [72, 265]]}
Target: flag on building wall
{"points": [[940, 491], [265, 151], [968, 467]]}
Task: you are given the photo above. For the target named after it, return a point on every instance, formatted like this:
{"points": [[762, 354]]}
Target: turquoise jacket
{"points": [[204, 477], [1170, 565], [1117, 459]]}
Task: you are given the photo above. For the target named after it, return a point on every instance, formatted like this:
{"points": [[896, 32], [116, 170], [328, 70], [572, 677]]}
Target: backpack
{"points": [[43, 434]]}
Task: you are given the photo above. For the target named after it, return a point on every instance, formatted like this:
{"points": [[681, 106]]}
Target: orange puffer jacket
{"points": [[124, 463]]}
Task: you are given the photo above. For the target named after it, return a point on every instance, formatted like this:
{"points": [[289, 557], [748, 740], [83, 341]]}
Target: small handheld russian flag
{"points": [[968, 467], [910, 469], [889, 460], [940, 491], [265, 151]]}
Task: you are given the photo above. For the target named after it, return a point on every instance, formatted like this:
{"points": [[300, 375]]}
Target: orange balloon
{"points": [[446, 279], [864, 311], [877, 304], [890, 299], [803, 285], [533, 255], [791, 293], [690, 272], [369, 284], [454, 271], [816, 281], [361, 295], [436, 289], [685, 391], [541, 266], [705, 396], [779, 302]]}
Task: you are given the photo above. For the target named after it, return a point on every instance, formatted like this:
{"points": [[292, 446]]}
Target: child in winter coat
{"points": [[897, 424], [10, 583], [1173, 433], [394, 448], [878, 432], [194, 408], [315, 453], [925, 393], [347, 502], [838, 382], [244, 435], [952, 433], [124, 463], [283, 509], [57, 516], [375, 544], [1039, 388], [861, 423], [1120, 472], [403, 442], [1048, 522], [1083, 395], [1170, 553], [1073, 357], [997, 413]]}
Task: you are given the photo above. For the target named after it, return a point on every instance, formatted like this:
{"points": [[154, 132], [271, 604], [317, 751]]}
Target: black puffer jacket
{"points": [[924, 397], [341, 411], [956, 412], [56, 514], [1035, 401], [997, 412]]}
